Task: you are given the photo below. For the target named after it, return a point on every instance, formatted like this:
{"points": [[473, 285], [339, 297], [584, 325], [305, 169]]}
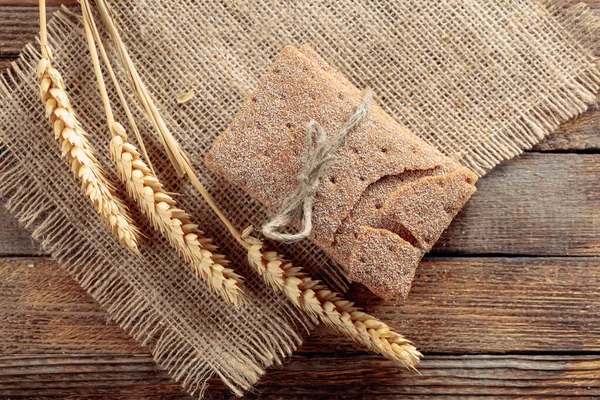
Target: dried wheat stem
{"points": [[331, 308], [77, 150], [175, 153], [315, 298], [160, 208]]}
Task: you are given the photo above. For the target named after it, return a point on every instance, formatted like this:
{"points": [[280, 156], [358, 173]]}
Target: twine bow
{"points": [[320, 154]]}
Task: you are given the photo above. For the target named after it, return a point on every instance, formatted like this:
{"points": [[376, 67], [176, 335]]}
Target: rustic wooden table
{"points": [[507, 306]]}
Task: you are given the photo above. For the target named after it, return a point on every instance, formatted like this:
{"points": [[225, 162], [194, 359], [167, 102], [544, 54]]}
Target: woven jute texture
{"points": [[480, 80]]}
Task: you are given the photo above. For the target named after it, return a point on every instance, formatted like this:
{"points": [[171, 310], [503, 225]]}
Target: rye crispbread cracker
{"points": [[381, 170]]}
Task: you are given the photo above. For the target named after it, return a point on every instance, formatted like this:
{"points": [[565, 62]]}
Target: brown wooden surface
{"points": [[313, 376], [506, 307], [578, 134], [457, 305], [536, 204], [465, 312]]}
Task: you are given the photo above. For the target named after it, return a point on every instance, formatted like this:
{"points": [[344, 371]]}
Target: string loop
{"points": [[320, 154]]}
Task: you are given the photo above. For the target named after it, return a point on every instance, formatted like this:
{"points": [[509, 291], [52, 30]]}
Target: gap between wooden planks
{"points": [[55, 338], [354, 377]]}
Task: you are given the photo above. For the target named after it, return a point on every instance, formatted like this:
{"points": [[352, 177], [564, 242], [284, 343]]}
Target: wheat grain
{"points": [[146, 189], [172, 222], [76, 149], [331, 308], [78, 153], [185, 97]]}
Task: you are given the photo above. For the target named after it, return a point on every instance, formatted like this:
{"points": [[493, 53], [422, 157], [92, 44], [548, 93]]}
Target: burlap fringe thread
{"points": [[572, 99], [127, 304]]}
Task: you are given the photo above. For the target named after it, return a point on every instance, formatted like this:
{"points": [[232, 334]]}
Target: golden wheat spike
{"points": [[146, 189], [307, 294], [76, 149], [331, 308]]}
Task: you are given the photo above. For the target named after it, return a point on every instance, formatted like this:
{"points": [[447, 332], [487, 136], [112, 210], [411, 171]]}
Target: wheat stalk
{"points": [[172, 222], [331, 308], [76, 149], [143, 186], [307, 294], [175, 153]]}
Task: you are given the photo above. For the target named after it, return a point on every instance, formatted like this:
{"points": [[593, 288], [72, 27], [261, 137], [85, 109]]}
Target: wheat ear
{"points": [[143, 186], [331, 308], [307, 294], [172, 222], [76, 149]]}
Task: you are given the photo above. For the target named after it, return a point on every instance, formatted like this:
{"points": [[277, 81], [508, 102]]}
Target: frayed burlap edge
{"points": [[38, 213], [573, 99], [55, 233]]}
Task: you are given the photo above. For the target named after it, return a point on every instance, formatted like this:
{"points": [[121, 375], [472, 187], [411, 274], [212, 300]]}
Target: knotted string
{"points": [[320, 154]]}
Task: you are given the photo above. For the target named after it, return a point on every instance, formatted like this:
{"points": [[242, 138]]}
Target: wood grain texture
{"points": [[536, 204], [20, 25], [43, 310], [55, 341], [312, 377], [85, 376], [491, 305], [15, 240], [470, 305], [8, 3], [5, 62], [581, 133], [360, 377]]}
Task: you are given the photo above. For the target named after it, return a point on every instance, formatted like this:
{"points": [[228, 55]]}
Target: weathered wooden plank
{"points": [[85, 376], [581, 133], [312, 377], [6, 3], [453, 376], [537, 204], [470, 305], [20, 25], [5, 62], [42, 306], [63, 317], [491, 305]]}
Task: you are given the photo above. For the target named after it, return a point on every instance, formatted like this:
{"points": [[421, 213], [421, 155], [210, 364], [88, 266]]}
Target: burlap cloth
{"points": [[481, 80]]}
